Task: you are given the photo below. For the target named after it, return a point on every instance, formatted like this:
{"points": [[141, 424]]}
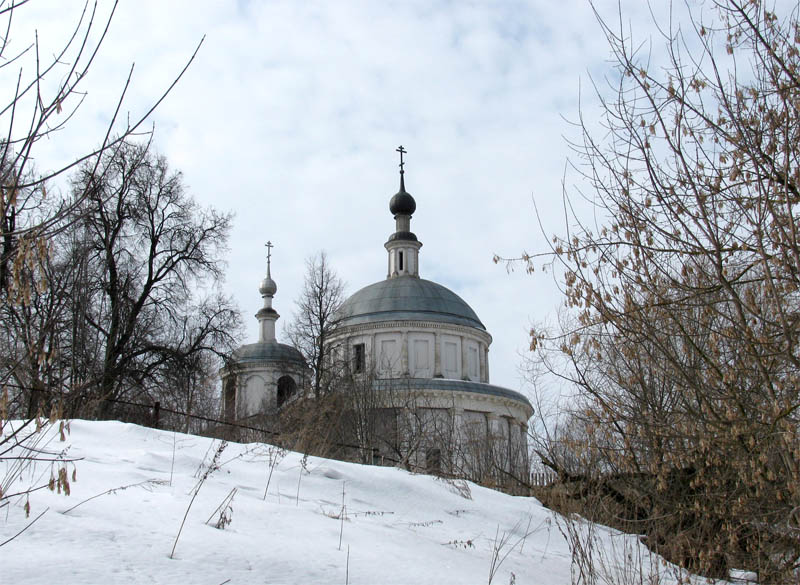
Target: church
{"points": [[415, 361]]}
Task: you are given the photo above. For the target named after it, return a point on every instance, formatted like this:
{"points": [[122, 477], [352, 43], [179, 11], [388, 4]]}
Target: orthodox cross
{"points": [[269, 247], [402, 151]]}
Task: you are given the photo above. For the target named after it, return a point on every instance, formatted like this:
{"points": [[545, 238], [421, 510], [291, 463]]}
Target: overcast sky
{"points": [[292, 111]]}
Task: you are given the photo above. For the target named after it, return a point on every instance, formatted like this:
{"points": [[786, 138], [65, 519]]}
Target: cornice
{"points": [[501, 406], [391, 326], [261, 365]]}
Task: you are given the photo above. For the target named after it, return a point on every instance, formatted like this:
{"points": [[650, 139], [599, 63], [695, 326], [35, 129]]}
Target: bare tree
{"points": [[151, 252], [315, 319], [190, 388], [684, 316], [41, 94], [48, 93]]}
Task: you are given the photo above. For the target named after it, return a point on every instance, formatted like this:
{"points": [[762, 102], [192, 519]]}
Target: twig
{"points": [[5, 542], [212, 467], [172, 465], [302, 467], [111, 491], [40, 459], [495, 551], [273, 462], [525, 537], [224, 502], [341, 519], [498, 546], [297, 496]]}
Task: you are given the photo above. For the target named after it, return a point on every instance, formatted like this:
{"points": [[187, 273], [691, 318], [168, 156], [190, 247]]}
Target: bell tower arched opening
{"points": [[230, 399], [286, 389]]}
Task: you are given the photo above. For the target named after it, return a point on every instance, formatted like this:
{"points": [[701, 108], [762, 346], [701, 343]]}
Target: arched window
{"points": [[400, 256], [230, 399], [359, 358], [433, 460], [286, 388]]}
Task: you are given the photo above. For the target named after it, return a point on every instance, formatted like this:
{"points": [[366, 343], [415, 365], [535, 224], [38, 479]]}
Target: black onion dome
{"points": [[402, 203]]}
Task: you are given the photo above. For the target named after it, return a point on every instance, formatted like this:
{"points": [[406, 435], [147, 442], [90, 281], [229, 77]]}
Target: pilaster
{"points": [[437, 355], [404, 353]]}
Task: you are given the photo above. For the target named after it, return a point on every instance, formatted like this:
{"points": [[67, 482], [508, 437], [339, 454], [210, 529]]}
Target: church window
{"points": [[230, 399], [286, 387], [359, 361], [433, 460], [400, 255]]}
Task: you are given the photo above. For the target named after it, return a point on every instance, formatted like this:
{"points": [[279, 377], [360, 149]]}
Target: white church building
{"points": [[261, 377], [422, 355]]}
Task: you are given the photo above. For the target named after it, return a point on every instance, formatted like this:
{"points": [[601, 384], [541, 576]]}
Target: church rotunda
{"points": [[425, 355], [261, 377]]}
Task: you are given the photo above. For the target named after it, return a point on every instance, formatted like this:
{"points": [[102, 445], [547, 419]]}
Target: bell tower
{"points": [[402, 246], [267, 315]]}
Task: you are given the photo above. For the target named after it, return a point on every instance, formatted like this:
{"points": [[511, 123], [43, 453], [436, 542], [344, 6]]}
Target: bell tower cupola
{"points": [[403, 246], [267, 315]]}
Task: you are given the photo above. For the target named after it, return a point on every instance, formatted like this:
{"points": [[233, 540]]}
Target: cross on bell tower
{"points": [[403, 246], [402, 151], [267, 315], [269, 247]]}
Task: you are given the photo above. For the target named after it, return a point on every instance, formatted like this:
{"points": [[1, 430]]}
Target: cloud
{"points": [[291, 113]]}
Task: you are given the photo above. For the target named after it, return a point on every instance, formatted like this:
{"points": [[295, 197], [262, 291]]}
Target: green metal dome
{"points": [[407, 298], [268, 352]]}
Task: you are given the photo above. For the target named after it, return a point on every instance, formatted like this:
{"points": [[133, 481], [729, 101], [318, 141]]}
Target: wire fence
{"points": [[154, 416], [165, 417]]}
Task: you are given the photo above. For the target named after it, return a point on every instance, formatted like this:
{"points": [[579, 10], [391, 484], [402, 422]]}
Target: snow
{"points": [[398, 527]]}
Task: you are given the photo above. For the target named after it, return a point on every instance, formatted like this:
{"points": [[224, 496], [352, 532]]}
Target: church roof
{"points": [[450, 385], [267, 352], [407, 298]]}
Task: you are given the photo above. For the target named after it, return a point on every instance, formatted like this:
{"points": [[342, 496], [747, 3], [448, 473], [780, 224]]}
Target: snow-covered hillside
{"points": [[397, 527]]}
